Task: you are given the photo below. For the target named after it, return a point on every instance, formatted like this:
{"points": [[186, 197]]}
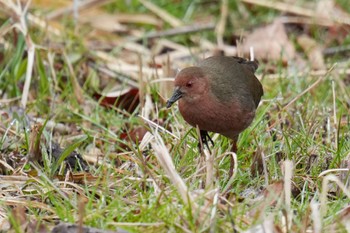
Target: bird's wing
{"points": [[233, 76], [256, 87]]}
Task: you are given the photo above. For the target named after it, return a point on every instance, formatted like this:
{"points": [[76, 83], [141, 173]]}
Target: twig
{"points": [[305, 20], [318, 81], [43, 24], [220, 27], [120, 66], [308, 89], [7, 101], [121, 77], [282, 6], [335, 50], [178, 31], [81, 6], [174, 22], [158, 127], [323, 173]]}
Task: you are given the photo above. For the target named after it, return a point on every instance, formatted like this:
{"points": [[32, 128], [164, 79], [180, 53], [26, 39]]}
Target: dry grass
{"points": [[96, 83]]}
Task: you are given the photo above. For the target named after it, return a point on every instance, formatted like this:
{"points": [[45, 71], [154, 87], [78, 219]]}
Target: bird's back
{"points": [[233, 77]]}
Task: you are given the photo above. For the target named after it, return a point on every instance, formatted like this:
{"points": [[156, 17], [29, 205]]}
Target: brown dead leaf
{"points": [[271, 195], [19, 216], [313, 51], [102, 21], [135, 135], [273, 192], [345, 215], [127, 99], [337, 34], [22, 221], [329, 9], [132, 135], [79, 178], [270, 43], [139, 18], [342, 217], [36, 227], [121, 17]]}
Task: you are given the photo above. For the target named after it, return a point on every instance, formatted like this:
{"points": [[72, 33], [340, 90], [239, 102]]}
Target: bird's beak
{"points": [[176, 96]]}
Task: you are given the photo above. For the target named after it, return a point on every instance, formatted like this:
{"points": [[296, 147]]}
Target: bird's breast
{"points": [[228, 119]]}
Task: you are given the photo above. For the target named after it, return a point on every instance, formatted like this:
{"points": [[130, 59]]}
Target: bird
{"points": [[220, 94]]}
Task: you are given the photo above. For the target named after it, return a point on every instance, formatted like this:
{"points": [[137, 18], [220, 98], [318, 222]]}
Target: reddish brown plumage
{"points": [[219, 95]]}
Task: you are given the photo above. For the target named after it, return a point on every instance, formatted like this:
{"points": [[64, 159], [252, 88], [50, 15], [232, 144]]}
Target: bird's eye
{"points": [[189, 84]]}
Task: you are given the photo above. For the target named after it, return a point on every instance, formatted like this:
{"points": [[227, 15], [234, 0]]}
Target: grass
{"points": [[128, 187]]}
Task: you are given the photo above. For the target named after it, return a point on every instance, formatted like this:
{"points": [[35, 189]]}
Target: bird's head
{"points": [[190, 85]]}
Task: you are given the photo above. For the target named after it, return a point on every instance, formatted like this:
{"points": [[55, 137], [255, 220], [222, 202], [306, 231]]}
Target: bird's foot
{"points": [[204, 140]]}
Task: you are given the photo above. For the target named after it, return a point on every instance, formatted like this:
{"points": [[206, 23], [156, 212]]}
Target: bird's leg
{"points": [[204, 140]]}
